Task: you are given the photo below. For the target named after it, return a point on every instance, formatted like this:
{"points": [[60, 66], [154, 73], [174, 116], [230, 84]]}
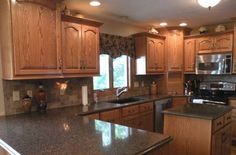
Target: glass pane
{"points": [[120, 77], [102, 81]]}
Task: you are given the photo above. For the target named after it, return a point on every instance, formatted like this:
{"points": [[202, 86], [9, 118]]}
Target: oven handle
{"points": [[224, 66]]}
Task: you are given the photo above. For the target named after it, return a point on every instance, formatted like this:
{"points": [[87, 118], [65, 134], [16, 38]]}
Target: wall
{"points": [[2, 107]]}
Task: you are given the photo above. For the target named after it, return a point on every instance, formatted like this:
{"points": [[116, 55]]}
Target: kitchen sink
{"points": [[126, 100]]}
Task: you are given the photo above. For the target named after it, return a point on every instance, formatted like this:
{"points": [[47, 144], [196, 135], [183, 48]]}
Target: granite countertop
{"points": [[202, 111], [104, 106], [62, 131]]}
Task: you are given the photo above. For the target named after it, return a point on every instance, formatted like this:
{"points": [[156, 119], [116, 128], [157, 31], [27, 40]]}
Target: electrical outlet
{"points": [[16, 96], [142, 84], [29, 93]]}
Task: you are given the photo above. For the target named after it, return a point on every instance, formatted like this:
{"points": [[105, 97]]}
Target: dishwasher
{"points": [[161, 105]]}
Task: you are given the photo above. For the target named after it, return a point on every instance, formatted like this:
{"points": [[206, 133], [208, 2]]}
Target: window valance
{"points": [[116, 46]]}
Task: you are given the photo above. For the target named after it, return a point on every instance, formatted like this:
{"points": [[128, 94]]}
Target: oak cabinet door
{"points": [[175, 50], [223, 43], [160, 49], [34, 37], [71, 47], [151, 55], [90, 49], [205, 45], [189, 55]]}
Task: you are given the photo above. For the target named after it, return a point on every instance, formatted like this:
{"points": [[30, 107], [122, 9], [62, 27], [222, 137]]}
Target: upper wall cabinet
{"points": [[80, 46], [215, 43], [149, 53], [189, 55], [29, 38], [34, 46]]}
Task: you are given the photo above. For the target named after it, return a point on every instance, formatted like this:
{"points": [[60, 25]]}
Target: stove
{"points": [[214, 93]]}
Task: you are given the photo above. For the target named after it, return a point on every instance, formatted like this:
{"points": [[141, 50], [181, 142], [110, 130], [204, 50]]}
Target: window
{"points": [[119, 72], [102, 81]]}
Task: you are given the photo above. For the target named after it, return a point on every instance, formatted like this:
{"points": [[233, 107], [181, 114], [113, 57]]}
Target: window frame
{"points": [[111, 88]]}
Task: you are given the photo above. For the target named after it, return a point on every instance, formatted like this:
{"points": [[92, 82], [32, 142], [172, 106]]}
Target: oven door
{"points": [[212, 64]]}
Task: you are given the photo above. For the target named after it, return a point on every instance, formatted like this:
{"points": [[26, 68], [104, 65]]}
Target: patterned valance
{"points": [[116, 46]]}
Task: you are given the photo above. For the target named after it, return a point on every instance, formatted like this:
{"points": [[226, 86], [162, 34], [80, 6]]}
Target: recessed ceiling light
{"points": [[95, 3], [183, 24], [208, 3], [163, 24]]}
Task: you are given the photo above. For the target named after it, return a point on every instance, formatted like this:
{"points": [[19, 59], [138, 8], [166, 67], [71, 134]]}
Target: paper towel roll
{"points": [[84, 95]]}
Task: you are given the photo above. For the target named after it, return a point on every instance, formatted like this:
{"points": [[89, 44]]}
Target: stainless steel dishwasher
{"points": [[161, 105]]}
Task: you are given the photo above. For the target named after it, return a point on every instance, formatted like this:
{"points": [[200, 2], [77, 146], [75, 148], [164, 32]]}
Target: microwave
{"points": [[214, 64]]}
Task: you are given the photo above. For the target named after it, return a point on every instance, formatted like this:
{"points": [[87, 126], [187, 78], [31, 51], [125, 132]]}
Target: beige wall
{"points": [[2, 106], [118, 28]]}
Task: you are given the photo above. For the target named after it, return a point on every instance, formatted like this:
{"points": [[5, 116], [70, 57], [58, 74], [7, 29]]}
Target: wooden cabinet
{"points": [[80, 46], [221, 141], [232, 103], [112, 116], [71, 47], [32, 45], [150, 50], [212, 136], [175, 50], [80, 52], [189, 55], [29, 38], [215, 43], [234, 49], [137, 116]]}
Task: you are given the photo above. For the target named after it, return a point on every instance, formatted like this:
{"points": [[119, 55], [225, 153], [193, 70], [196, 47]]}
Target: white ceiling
{"points": [[152, 12]]}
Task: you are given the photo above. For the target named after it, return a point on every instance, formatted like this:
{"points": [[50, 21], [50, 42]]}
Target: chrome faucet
{"points": [[120, 91]]}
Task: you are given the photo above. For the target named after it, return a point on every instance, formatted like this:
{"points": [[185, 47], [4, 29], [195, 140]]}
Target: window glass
{"points": [[120, 72], [102, 82]]}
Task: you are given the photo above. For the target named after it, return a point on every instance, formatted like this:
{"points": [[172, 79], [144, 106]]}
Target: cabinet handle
{"points": [[219, 123], [60, 63]]}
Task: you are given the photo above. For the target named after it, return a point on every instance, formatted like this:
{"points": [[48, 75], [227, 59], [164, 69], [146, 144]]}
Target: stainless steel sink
{"points": [[126, 100]]}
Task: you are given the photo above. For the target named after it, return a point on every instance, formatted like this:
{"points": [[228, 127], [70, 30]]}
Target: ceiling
{"points": [[152, 12]]}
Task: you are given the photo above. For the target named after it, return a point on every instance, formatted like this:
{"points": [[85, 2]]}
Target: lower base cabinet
{"points": [[137, 116]]}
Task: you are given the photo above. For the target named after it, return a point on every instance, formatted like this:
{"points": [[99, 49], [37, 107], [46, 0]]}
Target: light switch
{"points": [[16, 96]]}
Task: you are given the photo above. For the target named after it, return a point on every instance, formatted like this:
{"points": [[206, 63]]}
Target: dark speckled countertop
{"points": [[103, 106], [62, 131], [202, 111]]}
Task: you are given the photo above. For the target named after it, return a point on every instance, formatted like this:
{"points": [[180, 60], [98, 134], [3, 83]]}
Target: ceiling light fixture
{"points": [[163, 24], [183, 24], [208, 3], [95, 3]]}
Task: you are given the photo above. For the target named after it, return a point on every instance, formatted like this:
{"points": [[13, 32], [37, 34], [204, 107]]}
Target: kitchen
{"points": [[104, 77]]}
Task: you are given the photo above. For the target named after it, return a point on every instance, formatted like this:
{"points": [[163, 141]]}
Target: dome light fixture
{"points": [[163, 24], [208, 3], [183, 24], [95, 3]]}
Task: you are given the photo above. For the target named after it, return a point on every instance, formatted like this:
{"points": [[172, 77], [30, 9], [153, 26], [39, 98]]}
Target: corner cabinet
{"points": [[189, 55], [150, 50], [80, 47], [31, 42]]}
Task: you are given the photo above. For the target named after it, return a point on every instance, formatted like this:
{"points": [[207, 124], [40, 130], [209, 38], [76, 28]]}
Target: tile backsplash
{"points": [[72, 96]]}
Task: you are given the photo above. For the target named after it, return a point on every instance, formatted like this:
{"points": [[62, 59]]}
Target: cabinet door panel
{"points": [[151, 55], [205, 45], [175, 50], [224, 43], [189, 55], [71, 34], [90, 50], [34, 38], [160, 49]]}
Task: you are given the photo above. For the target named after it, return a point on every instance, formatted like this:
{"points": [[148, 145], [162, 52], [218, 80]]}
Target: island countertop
{"points": [[203, 111], [62, 131]]}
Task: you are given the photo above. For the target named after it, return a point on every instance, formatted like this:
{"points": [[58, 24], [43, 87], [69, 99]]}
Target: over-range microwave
{"points": [[214, 63]]}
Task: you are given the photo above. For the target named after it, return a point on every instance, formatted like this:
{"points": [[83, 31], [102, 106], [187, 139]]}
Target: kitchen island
{"points": [[62, 131], [199, 129]]}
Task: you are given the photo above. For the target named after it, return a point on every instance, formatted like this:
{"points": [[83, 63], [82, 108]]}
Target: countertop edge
{"points": [[155, 146]]}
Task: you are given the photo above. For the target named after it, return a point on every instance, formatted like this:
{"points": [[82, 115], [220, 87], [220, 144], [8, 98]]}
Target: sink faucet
{"points": [[120, 91]]}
